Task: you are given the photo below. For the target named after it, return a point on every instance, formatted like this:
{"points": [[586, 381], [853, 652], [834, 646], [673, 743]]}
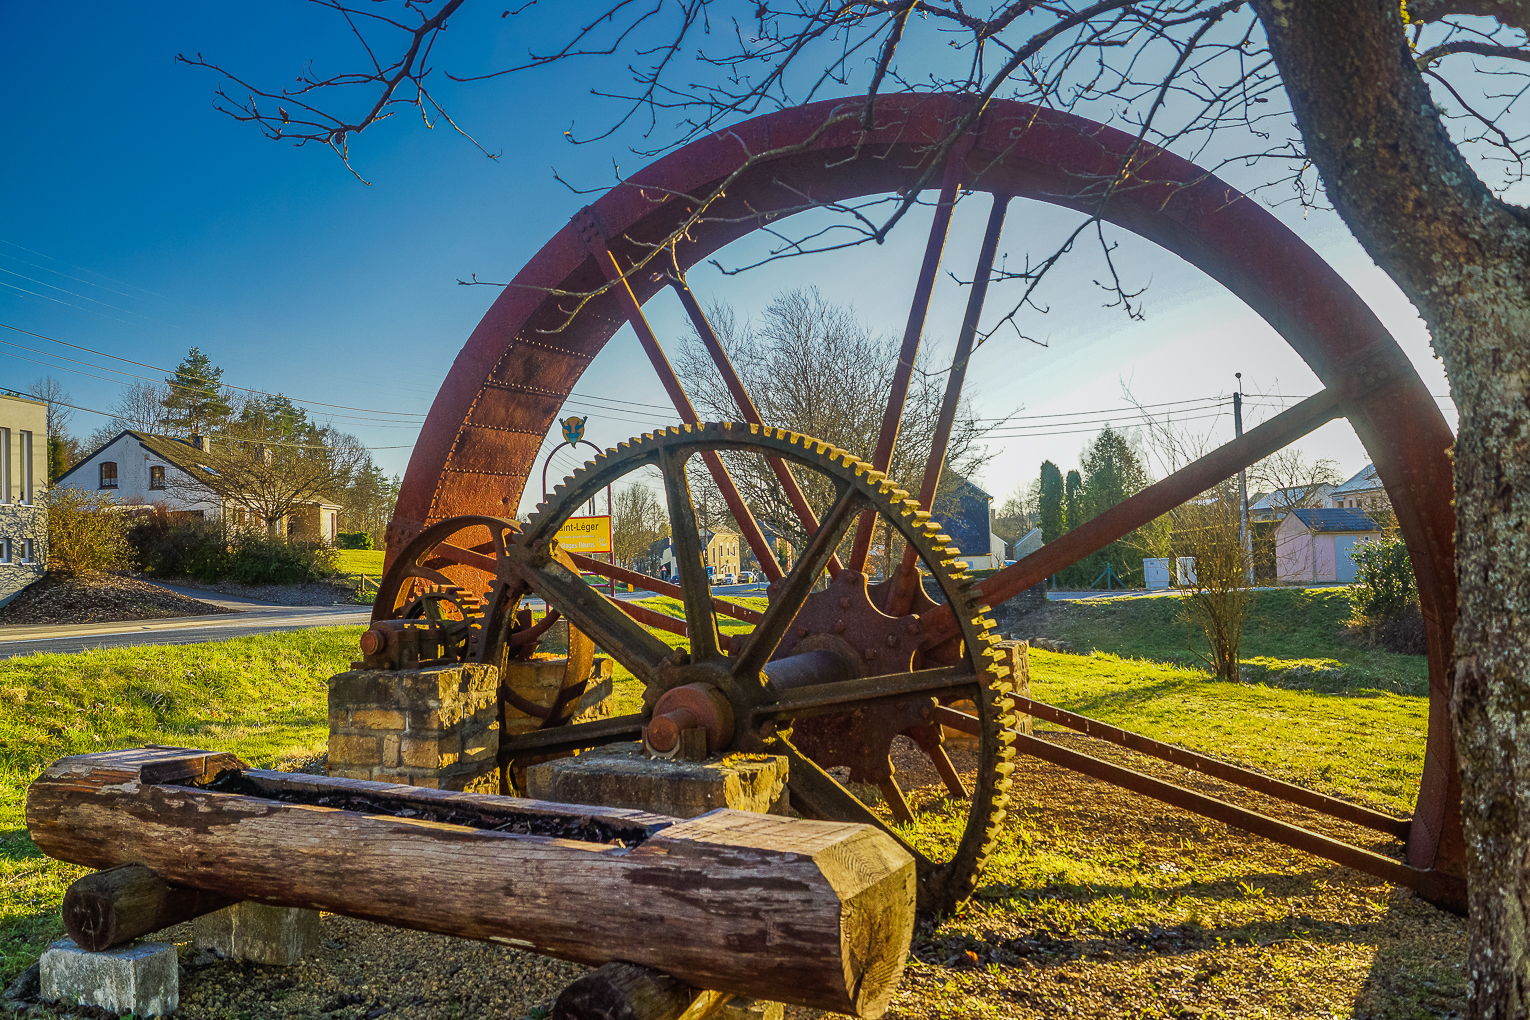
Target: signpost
{"points": [[578, 533]]}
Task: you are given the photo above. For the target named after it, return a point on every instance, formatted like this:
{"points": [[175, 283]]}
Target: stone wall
{"points": [[19, 522], [436, 727]]}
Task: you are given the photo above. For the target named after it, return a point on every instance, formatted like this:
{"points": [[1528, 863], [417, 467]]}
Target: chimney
{"points": [[203, 443]]}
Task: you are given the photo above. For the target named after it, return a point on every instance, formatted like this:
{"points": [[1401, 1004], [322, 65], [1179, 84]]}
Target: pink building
{"points": [[1314, 546]]}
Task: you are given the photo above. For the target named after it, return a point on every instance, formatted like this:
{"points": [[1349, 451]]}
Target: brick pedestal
{"points": [[436, 727]]}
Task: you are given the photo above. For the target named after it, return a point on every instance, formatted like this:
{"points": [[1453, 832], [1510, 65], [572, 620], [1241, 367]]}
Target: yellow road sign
{"points": [[586, 535]]}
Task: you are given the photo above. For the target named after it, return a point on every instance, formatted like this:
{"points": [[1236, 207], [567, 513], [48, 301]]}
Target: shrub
{"points": [[353, 540], [86, 531], [173, 546], [260, 558], [1388, 596]]}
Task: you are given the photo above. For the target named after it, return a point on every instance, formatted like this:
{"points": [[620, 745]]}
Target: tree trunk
{"points": [[1462, 257]]}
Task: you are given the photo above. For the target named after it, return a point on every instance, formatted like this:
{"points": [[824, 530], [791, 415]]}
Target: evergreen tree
{"points": [[1073, 501], [1051, 501], [197, 404], [1112, 472]]}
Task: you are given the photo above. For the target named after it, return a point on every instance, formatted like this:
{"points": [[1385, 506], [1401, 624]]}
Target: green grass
{"points": [[1291, 638], [360, 561], [1066, 867], [263, 698], [1366, 744]]}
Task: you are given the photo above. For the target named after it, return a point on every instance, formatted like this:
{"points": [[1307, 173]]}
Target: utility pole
{"points": [[1244, 535]]}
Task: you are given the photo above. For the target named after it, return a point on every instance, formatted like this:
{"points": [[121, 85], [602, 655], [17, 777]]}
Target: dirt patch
{"points": [[313, 593], [99, 598]]}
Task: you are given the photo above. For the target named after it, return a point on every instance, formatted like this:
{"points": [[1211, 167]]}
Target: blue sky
{"points": [[139, 222]]}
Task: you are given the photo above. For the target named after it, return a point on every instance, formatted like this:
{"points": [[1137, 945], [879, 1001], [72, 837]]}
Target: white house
{"points": [[1362, 492], [141, 469]]}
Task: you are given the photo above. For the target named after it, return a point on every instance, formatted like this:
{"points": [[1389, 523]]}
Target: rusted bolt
{"points": [[844, 603], [839, 627], [892, 641], [912, 629], [871, 654]]}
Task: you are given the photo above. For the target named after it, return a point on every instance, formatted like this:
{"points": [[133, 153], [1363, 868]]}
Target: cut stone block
{"points": [[278, 936], [683, 789], [142, 978]]}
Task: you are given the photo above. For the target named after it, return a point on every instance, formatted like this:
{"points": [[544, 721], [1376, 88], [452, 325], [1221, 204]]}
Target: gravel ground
{"points": [[99, 598], [315, 593]]}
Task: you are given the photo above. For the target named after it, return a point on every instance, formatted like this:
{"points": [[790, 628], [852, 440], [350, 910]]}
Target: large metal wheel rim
{"points": [[475, 451]]}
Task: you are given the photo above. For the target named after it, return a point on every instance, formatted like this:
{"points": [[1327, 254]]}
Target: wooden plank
{"points": [[111, 907], [819, 914]]}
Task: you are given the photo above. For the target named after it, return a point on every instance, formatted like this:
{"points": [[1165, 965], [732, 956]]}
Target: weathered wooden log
{"points": [[813, 913], [110, 907], [623, 991]]}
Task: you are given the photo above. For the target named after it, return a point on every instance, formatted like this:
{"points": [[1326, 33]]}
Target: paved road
{"points": [[251, 618]]}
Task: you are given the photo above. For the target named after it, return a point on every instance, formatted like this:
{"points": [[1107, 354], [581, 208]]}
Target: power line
{"points": [[170, 371], [220, 435]]}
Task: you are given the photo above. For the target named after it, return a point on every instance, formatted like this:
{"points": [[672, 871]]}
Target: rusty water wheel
{"points": [[508, 384], [776, 685]]}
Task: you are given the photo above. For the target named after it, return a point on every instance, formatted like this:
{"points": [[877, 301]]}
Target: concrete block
{"points": [[684, 789], [279, 936], [750, 1009], [142, 978]]}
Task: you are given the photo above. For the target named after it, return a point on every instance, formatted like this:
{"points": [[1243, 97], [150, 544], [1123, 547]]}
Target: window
{"points": [[5, 550], [156, 476], [108, 474], [26, 466], [26, 550], [5, 465]]}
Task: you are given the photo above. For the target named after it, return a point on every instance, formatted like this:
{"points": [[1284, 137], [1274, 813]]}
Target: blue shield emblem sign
{"points": [[573, 430]]}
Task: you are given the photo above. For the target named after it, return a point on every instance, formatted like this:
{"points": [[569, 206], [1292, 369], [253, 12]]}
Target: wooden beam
{"points": [[111, 907], [819, 914]]}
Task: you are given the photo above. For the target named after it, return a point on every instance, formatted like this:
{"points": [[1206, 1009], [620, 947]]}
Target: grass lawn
{"points": [[1094, 900], [1291, 637], [264, 698]]}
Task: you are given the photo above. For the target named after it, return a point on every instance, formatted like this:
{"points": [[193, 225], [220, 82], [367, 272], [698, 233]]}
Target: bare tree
{"points": [[269, 481], [1406, 118], [1208, 530], [813, 367], [638, 521], [51, 392], [140, 408], [1292, 481]]}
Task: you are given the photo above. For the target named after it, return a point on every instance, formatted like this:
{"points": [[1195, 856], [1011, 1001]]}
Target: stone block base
{"points": [[683, 789], [277, 936], [142, 978]]}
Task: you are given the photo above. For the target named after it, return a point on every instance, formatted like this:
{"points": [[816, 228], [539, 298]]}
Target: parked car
{"points": [[725, 579], [746, 577]]}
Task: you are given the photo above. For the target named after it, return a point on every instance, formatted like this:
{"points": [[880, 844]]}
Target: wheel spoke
{"points": [[899, 602], [818, 794], [831, 698], [750, 413], [603, 623], [913, 333], [729, 609], [785, 602], [666, 372], [686, 536], [896, 802], [1152, 502]]}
